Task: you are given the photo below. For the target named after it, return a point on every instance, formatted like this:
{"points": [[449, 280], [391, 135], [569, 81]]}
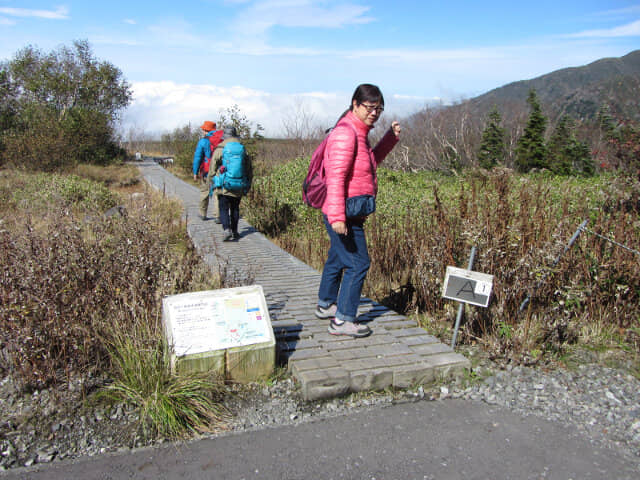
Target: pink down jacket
{"points": [[346, 177]]}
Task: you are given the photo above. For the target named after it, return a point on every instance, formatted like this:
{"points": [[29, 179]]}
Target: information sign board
{"points": [[216, 320]]}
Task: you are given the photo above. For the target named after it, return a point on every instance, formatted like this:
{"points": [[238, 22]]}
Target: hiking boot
{"points": [[236, 236], [355, 330], [203, 217], [217, 220], [328, 312], [227, 235]]}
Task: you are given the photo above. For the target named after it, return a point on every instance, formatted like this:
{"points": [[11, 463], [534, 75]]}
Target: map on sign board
{"points": [[467, 286], [216, 321]]}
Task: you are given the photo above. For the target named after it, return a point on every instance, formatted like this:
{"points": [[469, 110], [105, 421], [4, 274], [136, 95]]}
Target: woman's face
{"points": [[368, 112]]}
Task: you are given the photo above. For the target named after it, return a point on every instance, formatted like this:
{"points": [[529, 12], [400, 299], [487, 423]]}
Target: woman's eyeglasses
{"points": [[371, 108]]}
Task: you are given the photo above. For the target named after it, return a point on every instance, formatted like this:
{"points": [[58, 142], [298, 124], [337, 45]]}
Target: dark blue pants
{"points": [[229, 212], [344, 271]]}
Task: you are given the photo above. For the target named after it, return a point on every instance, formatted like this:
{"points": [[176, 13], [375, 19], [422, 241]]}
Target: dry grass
{"points": [[70, 274], [519, 224], [81, 292]]}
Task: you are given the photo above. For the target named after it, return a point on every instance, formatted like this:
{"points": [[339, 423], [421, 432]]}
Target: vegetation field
{"points": [[81, 290], [520, 225]]}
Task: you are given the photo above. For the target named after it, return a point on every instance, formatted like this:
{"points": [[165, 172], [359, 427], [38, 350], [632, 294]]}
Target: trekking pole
{"points": [[461, 304], [575, 236]]}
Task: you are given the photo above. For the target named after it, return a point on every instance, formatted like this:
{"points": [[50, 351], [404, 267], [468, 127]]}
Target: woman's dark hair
{"points": [[365, 92]]}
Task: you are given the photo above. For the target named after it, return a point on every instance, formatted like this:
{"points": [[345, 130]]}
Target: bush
{"points": [[181, 143], [519, 224], [82, 136], [71, 276], [59, 109]]}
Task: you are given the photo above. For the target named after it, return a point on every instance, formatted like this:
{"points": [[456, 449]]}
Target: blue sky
{"points": [[285, 59]]}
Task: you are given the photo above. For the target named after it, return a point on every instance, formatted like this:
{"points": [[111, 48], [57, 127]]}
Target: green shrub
{"points": [[40, 192], [59, 108], [181, 143], [81, 137]]}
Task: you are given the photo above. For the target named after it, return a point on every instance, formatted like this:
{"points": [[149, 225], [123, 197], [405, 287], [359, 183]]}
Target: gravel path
{"points": [[602, 403]]}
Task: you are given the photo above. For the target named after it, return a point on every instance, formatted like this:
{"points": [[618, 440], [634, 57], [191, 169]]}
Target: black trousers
{"points": [[229, 212]]}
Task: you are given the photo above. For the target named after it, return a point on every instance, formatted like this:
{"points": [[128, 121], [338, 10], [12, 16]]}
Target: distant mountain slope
{"points": [[578, 91]]}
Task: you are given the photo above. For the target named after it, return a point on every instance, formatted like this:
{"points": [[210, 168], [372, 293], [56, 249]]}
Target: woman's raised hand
{"points": [[395, 126]]}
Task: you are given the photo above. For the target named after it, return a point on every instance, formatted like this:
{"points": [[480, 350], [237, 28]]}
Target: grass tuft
{"points": [[170, 405]]}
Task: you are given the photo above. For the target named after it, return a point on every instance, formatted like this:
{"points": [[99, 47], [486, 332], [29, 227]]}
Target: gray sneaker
{"points": [[227, 235], [328, 312], [355, 330]]}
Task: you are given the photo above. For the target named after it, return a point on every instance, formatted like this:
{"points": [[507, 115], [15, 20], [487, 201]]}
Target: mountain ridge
{"points": [[577, 91]]}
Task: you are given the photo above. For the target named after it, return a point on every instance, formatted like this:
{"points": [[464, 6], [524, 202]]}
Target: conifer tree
{"points": [[559, 161], [567, 154], [581, 157], [492, 149], [606, 121], [531, 151]]}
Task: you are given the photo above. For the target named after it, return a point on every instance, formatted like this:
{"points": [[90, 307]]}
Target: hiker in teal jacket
{"points": [[202, 155], [228, 199]]}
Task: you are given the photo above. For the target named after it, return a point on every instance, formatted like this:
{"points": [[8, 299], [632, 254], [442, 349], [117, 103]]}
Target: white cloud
{"points": [[631, 10], [629, 30], [113, 40], [171, 33], [412, 55], [253, 24], [175, 33], [6, 21], [303, 13], [60, 13], [415, 98], [163, 106]]}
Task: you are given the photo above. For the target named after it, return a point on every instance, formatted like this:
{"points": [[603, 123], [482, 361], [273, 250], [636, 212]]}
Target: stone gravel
{"points": [[602, 403]]}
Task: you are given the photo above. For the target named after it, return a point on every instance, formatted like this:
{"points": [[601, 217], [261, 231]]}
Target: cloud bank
{"points": [[159, 107], [60, 13]]}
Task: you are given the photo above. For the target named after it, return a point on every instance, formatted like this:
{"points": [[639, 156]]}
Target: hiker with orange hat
{"points": [[201, 161]]}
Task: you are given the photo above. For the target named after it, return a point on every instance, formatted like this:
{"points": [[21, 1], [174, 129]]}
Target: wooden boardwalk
{"points": [[398, 354]]}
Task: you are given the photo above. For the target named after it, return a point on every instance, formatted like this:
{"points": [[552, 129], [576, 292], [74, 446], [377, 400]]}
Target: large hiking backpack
{"points": [[214, 139], [233, 174], [314, 187]]}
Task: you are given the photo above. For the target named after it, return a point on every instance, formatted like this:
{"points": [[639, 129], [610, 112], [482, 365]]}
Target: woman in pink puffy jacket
{"points": [[350, 167]]}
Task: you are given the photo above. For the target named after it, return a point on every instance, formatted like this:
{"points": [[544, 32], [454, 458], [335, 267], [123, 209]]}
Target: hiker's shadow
{"points": [[246, 231], [369, 310]]}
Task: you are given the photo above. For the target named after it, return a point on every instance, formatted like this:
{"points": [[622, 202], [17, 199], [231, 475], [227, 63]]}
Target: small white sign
{"points": [[482, 288], [467, 286]]}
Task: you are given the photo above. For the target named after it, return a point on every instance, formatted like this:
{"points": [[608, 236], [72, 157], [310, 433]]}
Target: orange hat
{"points": [[208, 126]]}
